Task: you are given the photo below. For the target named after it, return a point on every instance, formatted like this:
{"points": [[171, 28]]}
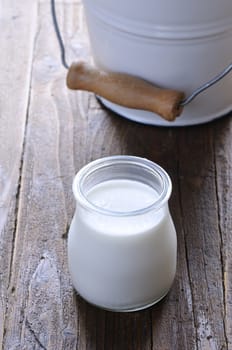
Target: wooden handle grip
{"points": [[125, 90]]}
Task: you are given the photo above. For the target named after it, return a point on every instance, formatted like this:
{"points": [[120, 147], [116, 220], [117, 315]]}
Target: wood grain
{"points": [[16, 42], [39, 314], [55, 133], [223, 183]]}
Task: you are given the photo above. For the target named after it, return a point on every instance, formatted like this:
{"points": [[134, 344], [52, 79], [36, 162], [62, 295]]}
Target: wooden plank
{"points": [[16, 42], [199, 205], [173, 320], [223, 164], [42, 307]]}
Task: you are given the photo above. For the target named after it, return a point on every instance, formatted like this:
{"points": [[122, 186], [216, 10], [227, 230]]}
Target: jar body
{"points": [[122, 272], [168, 48], [122, 261]]}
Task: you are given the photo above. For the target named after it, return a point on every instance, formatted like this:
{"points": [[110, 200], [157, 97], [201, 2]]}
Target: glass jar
{"points": [[122, 241]]}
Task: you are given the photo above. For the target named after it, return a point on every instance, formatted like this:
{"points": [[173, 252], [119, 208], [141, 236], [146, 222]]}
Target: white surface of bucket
{"points": [[174, 44]]}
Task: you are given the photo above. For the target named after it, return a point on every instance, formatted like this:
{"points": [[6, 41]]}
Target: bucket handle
{"points": [[207, 85], [133, 92], [125, 90]]}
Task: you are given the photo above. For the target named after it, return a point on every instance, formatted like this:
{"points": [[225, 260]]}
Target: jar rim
{"points": [[117, 160]]}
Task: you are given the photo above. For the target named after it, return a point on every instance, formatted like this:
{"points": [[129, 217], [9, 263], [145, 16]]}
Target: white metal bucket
{"points": [[178, 44]]}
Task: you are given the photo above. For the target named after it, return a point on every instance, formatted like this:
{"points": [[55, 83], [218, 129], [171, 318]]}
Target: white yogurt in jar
{"points": [[122, 255]]}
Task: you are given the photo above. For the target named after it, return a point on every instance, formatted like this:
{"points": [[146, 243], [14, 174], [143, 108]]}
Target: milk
{"points": [[122, 255], [122, 195]]}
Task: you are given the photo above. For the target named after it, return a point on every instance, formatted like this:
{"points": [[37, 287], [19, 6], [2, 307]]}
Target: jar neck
{"points": [[124, 168]]}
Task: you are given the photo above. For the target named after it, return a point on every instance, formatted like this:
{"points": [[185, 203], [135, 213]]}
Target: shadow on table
{"points": [[102, 329]]}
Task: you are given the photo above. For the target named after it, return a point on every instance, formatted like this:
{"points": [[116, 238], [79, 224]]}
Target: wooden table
{"points": [[47, 134]]}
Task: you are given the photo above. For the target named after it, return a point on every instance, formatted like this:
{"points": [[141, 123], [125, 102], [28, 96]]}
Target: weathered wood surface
{"points": [[47, 134]]}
